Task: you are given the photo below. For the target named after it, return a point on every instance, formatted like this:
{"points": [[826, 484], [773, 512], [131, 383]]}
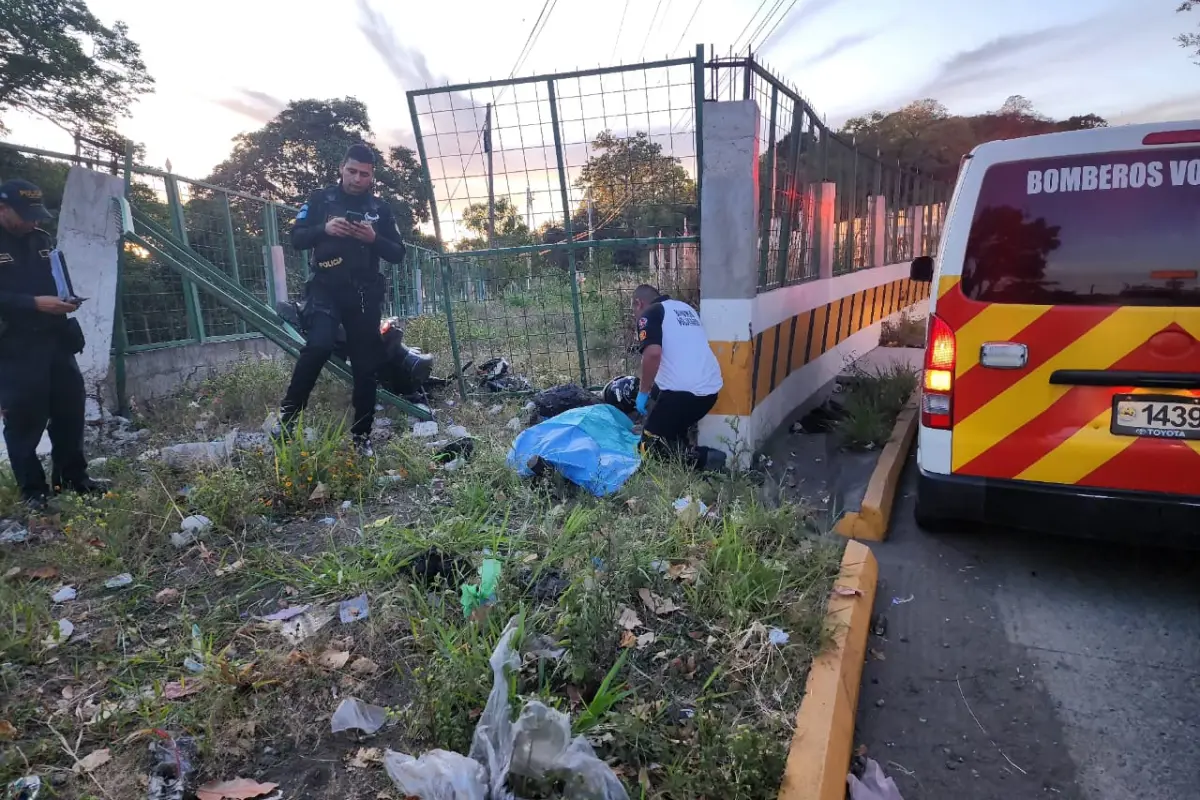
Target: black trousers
{"points": [[357, 308], [670, 422], [40, 387]]}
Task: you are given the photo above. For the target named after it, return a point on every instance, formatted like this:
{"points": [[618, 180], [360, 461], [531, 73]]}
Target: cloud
{"points": [[258, 106], [837, 47], [1185, 106], [995, 58], [807, 11]]}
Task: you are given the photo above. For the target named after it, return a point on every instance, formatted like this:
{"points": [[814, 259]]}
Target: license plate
{"points": [[1156, 416]]}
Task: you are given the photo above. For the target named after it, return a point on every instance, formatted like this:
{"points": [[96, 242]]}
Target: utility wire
{"points": [[620, 27], [766, 20], [689, 24], [767, 38], [650, 28], [750, 22]]}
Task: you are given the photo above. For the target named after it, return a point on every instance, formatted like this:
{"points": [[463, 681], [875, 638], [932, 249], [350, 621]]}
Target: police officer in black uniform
{"points": [[349, 230], [40, 383]]}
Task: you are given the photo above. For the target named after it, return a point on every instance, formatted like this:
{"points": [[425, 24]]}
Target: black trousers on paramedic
{"points": [[357, 308], [671, 419], [40, 387]]}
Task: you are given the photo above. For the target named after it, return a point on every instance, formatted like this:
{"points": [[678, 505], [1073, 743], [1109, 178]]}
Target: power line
{"points": [[750, 22], [689, 24], [650, 28], [620, 27], [764, 22], [534, 35], [784, 16]]}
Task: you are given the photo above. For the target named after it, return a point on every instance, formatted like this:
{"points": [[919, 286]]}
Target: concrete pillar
{"points": [[877, 219], [729, 267], [916, 218], [823, 234], [279, 273]]}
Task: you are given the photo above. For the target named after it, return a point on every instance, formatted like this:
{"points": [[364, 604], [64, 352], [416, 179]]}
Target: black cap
{"points": [[24, 198]]}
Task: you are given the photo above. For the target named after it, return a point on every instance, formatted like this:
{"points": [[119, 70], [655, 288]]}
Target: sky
{"points": [[227, 66]]}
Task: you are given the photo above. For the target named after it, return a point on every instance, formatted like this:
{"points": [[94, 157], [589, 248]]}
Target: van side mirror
{"points": [[921, 269]]}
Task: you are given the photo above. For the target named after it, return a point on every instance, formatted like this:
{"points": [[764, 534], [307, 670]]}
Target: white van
{"points": [[1062, 371]]}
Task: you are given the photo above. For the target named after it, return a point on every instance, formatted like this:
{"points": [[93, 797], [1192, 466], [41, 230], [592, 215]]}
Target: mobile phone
{"points": [[354, 216], [76, 300]]}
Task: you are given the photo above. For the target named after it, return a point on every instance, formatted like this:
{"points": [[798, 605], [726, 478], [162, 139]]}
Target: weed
{"points": [[906, 331], [871, 404]]}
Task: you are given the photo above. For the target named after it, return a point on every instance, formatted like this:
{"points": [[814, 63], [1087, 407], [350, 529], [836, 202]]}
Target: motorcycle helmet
{"points": [[622, 393]]}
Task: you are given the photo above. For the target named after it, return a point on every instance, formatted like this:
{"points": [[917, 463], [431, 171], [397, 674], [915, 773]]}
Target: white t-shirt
{"points": [[688, 363]]}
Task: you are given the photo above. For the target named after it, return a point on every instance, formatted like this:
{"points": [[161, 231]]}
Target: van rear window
{"points": [[1101, 229]]}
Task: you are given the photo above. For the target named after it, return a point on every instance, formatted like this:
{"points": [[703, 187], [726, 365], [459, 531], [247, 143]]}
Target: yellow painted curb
{"points": [[819, 758], [871, 520]]}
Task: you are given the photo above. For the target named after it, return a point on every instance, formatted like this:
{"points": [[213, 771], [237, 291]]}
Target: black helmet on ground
{"points": [[622, 393]]}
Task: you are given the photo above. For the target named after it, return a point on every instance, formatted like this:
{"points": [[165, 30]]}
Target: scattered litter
{"points": [[319, 494], [458, 432], [172, 767], [60, 633], [453, 466], [328, 521], [629, 619], [229, 569], [684, 572], [176, 690], [366, 757], [513, 424], [445, 450], [236, 789], [897, 601], [689, 511], [425, 430], [195, 524], [37, 573], [64, 594], [593, 447], [545, 647], [496, 409], [298, 628], [26, 788], [347, 505], [14, 534], [354, 609], [182, 539], [332, 659], [847, 591], [778, 637], [118, 581], [536, 745], [363, 666], [193, 666], [287, 613], [874, 784], [479, 596], [494, 376], [93, 760], [353, 713], [655, 604]]}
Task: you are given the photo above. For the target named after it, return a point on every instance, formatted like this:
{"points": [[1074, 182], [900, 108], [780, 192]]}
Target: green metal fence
{"points": [[799, 152], [554, 197]]}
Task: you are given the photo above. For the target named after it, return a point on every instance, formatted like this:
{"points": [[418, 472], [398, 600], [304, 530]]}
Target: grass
{"points": [[663, 620], [871, 403]]}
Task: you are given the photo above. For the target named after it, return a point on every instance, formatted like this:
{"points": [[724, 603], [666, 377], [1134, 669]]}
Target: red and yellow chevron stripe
{"points": [[1015, 424]]}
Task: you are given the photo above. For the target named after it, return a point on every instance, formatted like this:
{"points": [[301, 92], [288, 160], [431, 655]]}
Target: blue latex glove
{"points": [[642, 399]]}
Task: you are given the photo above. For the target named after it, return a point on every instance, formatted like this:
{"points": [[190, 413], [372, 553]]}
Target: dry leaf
{"points": [[628, 640], [167, 596], [847, 591], [645, 640], [319, 494], [367, 757], [657, 605], [41, 573], [179, 689], [7, 731], [68, 692], [629, 619], [93, 760], [236, 789], [682, 572], [12, 573], [231, 568], [333, 659], [364, 666], [574, 695]]}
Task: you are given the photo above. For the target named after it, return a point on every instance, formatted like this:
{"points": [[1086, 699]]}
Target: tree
{"points": [[636, 187], [1190, 41], [57, 60], [301, 150], [510, 228]]}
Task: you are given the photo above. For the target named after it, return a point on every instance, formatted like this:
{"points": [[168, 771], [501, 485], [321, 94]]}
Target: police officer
{"points": [[40, 382], [349, 230], [678, 366]]}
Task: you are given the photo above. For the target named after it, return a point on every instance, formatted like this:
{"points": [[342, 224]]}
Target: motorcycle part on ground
{"points": [[622, 393], [557, 399], [405, 369]]}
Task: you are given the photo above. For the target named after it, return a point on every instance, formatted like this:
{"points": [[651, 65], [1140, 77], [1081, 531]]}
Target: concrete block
{"points": [[730, 202]]}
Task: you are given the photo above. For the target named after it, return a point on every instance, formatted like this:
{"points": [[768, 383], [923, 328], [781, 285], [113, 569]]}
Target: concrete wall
{"points": [[778, 350], [151, 374]]}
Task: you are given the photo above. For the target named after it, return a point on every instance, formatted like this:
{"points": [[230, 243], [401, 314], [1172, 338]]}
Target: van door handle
{"points": [[1003, 355]]}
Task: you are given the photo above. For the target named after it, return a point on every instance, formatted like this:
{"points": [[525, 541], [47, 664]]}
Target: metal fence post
{"points": [[120, 334], [451, 330], [566, 206], [231, 252], [792, 188], [191, 295], [698, 80], [395, 290], [766, 187], [270, 239]]}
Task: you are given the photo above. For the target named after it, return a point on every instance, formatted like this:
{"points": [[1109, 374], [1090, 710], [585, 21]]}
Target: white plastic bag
{"points": [[874, 784], [538, 744]]}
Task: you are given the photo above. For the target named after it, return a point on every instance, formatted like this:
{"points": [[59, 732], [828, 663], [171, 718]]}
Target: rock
{"points": [[513, 424], [457, 431], [195, 454], [91, 410], [196, 524], [425, 430], [271, 425], [97, 463]]}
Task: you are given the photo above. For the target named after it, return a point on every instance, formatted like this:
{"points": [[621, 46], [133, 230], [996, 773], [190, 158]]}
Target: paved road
{"points": [[1029, 667]]}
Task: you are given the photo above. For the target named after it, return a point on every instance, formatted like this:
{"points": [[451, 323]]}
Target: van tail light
{"points": [[937, 394], [1172, 137]]}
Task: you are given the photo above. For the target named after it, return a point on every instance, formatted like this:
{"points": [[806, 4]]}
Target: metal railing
{"points": [[799, 153]]}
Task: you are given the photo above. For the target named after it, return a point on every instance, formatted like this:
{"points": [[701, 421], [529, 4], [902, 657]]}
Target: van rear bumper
{"points": [[1149, 518]]}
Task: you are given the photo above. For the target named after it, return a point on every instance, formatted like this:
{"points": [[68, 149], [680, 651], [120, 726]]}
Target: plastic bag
{"points": [[874, 784], [538, 744], [594, 447]]}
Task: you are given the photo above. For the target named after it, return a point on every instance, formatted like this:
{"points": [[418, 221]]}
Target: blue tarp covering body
{"points": [[594, 447]]}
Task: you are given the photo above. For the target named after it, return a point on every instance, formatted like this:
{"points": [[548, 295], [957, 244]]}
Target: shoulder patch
{"points": [[302, 213], [641, 323]]}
